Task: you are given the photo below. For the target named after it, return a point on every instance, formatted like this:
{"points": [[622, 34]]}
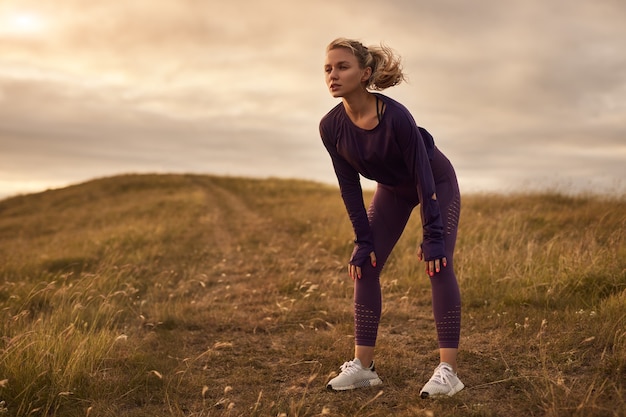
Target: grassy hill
{"points": [[183, 295]]}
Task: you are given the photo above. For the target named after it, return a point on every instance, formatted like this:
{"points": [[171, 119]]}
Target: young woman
{"points": [[372, 135]]}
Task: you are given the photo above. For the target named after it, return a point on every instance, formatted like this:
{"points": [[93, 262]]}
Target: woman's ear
{"points": [[367, 73]]}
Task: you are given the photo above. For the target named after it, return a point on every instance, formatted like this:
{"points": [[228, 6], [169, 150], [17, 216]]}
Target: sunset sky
{"points": [[519, 95]]}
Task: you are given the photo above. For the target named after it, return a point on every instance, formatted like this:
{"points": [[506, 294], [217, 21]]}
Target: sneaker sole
{"points": [[458, 387], [362, 384]]}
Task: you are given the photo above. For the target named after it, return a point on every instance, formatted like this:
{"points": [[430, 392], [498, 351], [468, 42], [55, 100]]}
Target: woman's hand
{"points": [[434, 266], [355, 271]]}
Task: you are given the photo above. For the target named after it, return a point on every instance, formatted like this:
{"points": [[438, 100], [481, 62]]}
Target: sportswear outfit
{"points": [[410, 171]]}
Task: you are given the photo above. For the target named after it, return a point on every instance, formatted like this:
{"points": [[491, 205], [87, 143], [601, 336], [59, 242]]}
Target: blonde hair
{"points": [[385, 64]]}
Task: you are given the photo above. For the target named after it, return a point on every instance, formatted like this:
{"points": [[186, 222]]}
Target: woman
{"points": [[372, 135]]}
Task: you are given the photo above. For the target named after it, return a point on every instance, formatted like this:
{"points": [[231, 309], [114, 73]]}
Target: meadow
{"points": [[190, 295]]}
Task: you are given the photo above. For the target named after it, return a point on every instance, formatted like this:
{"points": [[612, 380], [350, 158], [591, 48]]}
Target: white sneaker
{"points": [[353, 375], [443, 382]]}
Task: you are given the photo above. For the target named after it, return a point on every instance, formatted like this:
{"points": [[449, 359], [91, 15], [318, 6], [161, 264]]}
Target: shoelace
{"points": [[350, 368], [442, 375]]}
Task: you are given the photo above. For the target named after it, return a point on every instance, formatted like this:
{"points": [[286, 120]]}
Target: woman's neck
{"points": [[361, 109]]}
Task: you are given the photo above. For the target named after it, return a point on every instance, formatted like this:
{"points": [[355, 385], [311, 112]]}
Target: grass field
{"points": [[182, 295]]}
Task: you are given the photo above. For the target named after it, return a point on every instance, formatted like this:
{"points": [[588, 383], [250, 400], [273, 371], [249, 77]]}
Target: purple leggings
{"points": [[388, 214]]}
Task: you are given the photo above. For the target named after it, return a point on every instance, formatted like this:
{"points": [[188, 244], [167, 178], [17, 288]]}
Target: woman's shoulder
{"points": [[397, 114], [334, 112], [394, 106], [330, 122], [405, 121]]}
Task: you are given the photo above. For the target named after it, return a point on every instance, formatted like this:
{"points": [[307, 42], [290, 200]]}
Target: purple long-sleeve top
{"points": [[395, 152]]}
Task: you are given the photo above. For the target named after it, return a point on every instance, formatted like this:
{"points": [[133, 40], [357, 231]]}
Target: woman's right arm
{"points": [[352, 195]]}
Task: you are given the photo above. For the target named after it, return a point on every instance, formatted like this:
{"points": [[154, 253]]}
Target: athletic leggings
{"points": [[388, 214]]}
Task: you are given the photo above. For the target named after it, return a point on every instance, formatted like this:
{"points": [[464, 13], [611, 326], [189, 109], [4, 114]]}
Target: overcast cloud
{"points": [[520, 95]]}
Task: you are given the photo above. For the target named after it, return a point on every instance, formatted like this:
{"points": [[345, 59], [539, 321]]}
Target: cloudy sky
{"points": [[519, 94]]}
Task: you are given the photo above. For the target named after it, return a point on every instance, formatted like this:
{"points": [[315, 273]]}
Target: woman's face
{"points": [[343, 74]]}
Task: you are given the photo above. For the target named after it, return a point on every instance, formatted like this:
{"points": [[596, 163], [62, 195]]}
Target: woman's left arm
{"points": [[415, 144]]}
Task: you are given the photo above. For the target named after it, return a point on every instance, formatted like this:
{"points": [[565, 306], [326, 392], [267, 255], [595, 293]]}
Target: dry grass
{"points": [[210, 296]]}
